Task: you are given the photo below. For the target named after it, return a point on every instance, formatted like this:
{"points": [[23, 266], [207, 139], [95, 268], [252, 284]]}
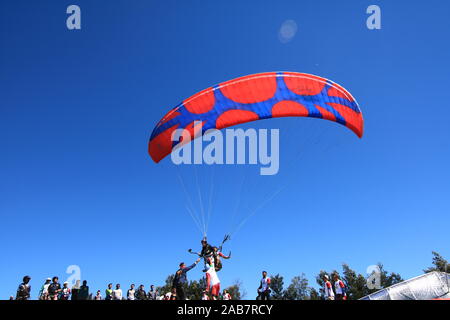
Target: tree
{"points": [[235, 290], [387, 279], [276, 285], [194, 289], [439, 264], [314, 294], [167, 287], [356, 284], [298, 289]]}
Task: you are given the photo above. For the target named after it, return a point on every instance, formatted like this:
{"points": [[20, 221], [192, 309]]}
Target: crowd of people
{"points": [[211, 255], [52, 290]]}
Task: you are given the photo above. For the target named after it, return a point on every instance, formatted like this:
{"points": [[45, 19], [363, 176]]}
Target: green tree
{"points": [[167, 287], [356, 284], [314, 294], [388, 279], [298, 289], [235, 290], [276, 285], [439, 264], [194, 289]]}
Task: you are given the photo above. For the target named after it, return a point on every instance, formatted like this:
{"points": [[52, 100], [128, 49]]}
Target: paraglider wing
{"points": [[255, 97]]}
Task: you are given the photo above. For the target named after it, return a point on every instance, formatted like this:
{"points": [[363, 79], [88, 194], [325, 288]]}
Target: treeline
{"points": [[356, 284], [300, 289]]}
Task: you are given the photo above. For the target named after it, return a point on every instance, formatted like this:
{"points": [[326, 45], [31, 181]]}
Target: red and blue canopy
{"points": [[256, 97]]}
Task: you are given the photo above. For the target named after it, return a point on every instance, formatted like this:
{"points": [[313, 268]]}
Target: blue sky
{"points": [[77, 108]]}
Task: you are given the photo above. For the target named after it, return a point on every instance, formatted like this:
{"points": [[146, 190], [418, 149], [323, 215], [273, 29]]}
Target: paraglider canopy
{"points": [[256, 97]]}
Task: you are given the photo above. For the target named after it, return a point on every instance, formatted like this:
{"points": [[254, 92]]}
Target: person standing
{"points": [[264, 287], [226, 295], [24, 289], [65, 292], [152, 293], [43, 293], [327, 288], [109, 292], [339, 288], [181, 279], [117, 293], [98, 296], [205, 295], [83, 293], [54, 289], [140, 293], [212, 279], [75, 290], [131, 292]]}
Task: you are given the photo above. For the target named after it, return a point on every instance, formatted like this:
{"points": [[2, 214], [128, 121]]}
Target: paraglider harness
{"points": [[210, 252]]}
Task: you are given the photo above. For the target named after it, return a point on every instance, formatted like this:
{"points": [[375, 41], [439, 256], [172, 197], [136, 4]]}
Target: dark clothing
{"points": [[141, 294], [180, 280], [180, 275], [53, 289], [180, 292], [75, 294], [207, 251], [265, 295], [83, 294], [23, 292]]}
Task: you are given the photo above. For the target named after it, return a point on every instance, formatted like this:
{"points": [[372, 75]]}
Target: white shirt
{"points": [[265, 282], [117, 294], [212, 273], [338, 288], [130, 294], [45, 288], [328, 289]]}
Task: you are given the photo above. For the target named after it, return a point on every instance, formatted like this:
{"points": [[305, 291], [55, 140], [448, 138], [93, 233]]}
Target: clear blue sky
{"points": [[77, 108]]}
